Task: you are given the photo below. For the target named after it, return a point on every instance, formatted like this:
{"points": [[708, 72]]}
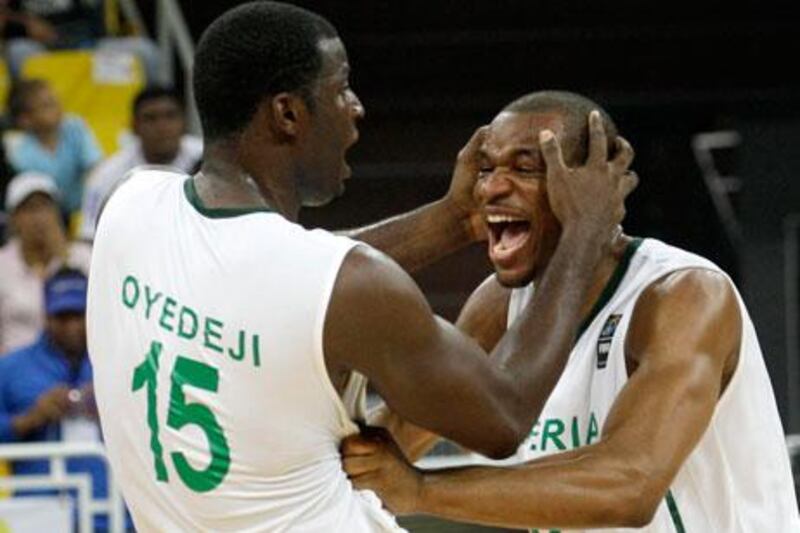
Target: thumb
{"points": [[358, 445]]}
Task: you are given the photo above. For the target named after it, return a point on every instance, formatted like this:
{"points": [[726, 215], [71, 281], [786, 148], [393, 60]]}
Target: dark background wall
{"points": [[430, 72]]}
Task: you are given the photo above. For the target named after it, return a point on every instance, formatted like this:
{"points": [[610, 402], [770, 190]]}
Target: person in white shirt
{"points": [[160, 128], [230, 345], [664, 418]]}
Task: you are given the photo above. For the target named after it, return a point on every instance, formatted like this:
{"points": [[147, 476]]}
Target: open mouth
{"points": [[507, 235]]}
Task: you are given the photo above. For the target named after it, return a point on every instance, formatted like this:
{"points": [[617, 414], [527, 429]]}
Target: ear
{"points": [[288, 115]]}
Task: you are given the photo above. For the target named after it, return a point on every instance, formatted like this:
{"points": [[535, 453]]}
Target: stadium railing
{"points": [[57, 454]]}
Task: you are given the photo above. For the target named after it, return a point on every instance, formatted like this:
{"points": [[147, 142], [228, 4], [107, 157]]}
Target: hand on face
{"points": [[373, 461], [591, 197], [462, 184]]}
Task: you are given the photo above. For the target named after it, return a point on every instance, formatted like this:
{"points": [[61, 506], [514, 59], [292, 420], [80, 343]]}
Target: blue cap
{"points": [[65, 292]]}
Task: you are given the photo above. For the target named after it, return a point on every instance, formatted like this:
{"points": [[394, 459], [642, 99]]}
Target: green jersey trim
{"points": [[675, 513], [217, 212], [612, 285]]}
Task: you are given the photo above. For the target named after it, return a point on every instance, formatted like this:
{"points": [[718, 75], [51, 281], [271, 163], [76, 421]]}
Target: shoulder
{"points": [[485, 315], [687, 309], [80, 256], [192, 146], [373, 283], [74, 124], [16, 360], [113, 168], [489, 296]]}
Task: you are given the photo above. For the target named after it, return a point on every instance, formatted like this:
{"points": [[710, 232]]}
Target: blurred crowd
{"points": [[54, 180]]}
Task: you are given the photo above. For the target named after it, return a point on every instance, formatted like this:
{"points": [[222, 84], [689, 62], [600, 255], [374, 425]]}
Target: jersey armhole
{"points": [[319, 342]]}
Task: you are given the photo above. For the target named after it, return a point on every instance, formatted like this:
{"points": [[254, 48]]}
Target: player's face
{"points": [[333, 127], [512, 191]]}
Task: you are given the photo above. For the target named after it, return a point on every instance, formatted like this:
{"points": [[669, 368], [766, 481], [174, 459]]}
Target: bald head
{"points": [[574, 110]]}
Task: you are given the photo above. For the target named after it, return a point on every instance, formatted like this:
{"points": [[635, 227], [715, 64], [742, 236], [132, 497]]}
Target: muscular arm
{"points": [[684, 337], [483, 319], [432, 375], [434, 231]]}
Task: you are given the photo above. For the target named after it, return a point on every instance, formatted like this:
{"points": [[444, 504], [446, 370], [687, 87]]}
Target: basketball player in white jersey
{"points": [[228, 342], [664, 418]]}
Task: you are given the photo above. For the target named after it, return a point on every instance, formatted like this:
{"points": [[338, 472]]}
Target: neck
{"points": [[48, 138], [38, 254], [153, 158], [233, 177], [603, 272], [605, 269]]}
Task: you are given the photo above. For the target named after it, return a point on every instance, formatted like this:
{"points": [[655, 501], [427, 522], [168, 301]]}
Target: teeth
{"points": [[495, 219]]}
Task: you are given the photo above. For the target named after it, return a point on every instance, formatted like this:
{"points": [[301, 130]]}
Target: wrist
{"points": [[465, 218], [422, 493]]}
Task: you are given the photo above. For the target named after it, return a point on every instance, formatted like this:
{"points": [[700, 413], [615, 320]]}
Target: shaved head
{"points": [[575, 110]]}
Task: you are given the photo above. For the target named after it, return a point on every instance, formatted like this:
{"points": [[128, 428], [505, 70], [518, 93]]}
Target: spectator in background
{"points": [[46, 387], [159, 125], [38, 247], [59, 145], [31, 27]]}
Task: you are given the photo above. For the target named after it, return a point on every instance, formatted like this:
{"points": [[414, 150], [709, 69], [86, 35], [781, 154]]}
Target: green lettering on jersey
{"points": [[256, 351], [553, 429], [167, 312], [187, 323], [129, 298], [534, 434], [594, 429], [576, 435], [212, 330], [150, 300], [238, 356]]}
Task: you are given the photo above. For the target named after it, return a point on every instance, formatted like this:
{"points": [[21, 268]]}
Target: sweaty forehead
{"points": [[520, 130]]}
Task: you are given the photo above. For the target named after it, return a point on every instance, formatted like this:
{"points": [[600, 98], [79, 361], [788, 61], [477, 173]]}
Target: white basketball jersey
{"points": [[738, 478], [205, 334]]}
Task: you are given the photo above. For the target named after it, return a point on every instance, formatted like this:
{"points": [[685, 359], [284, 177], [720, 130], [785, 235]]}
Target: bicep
{"points": [[425, 369], [483, 318], [683, 332]]}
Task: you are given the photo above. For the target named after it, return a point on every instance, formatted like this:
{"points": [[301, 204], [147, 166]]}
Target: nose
{"points": [[356, 107], [494, 186]]}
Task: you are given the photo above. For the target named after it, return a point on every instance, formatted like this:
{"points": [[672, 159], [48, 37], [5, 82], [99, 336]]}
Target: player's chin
{"points": [[514, 277]]}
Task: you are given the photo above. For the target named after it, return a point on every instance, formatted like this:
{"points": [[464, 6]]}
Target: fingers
{"points": [[624, 156], [358, 445], [551, 152], [598, 143], [474, 142], [358, 465]]}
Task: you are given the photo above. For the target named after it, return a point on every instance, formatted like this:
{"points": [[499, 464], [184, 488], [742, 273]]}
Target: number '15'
{"points": [[185, 373]]}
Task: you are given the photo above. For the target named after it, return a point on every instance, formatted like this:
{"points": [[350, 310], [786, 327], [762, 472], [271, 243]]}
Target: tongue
{"points": [[514, 234]]}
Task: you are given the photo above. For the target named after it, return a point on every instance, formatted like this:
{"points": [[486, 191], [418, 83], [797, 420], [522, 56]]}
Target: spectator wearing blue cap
{"points": [[37, 248], [36, 381], [45, 388]]}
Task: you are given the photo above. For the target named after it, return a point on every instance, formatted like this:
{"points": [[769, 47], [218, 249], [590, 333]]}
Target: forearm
{"points": [[22, 425], [420, 237], [535, 348], [575, 490], [14, 428]]}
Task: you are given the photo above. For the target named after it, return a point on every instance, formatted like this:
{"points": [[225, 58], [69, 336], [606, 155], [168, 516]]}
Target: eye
{"points": [[485, 170]]}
